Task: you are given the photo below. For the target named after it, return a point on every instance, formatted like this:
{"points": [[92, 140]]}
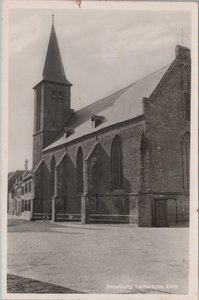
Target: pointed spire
{"points": [[53, 66]]}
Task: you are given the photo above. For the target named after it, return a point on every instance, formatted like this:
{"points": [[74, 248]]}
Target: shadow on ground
{"points": [[17, 284], [17, 225]]}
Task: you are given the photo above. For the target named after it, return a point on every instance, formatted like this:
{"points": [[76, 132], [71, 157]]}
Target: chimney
{"points": [[26, 164]]}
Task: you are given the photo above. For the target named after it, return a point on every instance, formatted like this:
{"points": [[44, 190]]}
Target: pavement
{"points": [[97, 258]]}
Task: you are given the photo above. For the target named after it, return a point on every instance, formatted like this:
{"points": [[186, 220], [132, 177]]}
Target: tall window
{"points": [[187, 106], [53, 96], [52, 176], [186, 93], [185, 158], [79, 171], [116, 164], [60, 99], [38, 110], [144, 163]]}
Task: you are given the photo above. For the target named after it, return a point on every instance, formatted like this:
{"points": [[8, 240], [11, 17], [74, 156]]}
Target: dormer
{"points": [[96, 120], [68, 131]]}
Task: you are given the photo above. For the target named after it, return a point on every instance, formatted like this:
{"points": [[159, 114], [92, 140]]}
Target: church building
{"points": [[122, 159]]}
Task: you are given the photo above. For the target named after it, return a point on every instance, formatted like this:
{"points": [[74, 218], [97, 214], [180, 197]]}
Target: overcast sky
{"points": [[102, 51]]}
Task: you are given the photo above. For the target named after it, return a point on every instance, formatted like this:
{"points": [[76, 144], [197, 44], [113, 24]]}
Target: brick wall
{"points": [[53, 114], [99, 181], [165, 126], [152, 164]]}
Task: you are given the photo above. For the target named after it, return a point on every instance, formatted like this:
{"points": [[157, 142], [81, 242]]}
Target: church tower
{"points": [[52, 99]]}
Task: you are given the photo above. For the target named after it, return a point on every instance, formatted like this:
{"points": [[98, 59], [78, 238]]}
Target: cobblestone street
{"points": [[97, 258]]}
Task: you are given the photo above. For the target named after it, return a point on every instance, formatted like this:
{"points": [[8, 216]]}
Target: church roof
{"points": [[53, 66], [121, 106]]}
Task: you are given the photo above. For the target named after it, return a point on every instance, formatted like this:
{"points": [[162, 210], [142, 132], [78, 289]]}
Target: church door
{"points": [[172, 211], [161, 213]]}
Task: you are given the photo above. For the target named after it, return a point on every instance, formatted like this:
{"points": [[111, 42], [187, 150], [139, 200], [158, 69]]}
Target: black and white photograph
{"points": [[99, 120]]}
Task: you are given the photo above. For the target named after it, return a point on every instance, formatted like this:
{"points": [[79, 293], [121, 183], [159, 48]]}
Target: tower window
{"points": [[60, 99], [53, 96], [116, 164], [68, 131], [79, 171]]}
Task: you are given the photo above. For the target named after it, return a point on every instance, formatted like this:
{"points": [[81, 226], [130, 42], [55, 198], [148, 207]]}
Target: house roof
{"points": [[53, 66], [121, 106], [27, 174], [10, 174], [12, 178]]}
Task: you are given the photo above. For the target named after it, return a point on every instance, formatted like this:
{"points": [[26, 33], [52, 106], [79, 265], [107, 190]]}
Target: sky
{"points": [[102, 52]]}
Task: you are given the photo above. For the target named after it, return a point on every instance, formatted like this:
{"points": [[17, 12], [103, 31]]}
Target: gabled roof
{"points": [[53, 66], [10, 174], [27, 175], [12, 179], [121, 106]]}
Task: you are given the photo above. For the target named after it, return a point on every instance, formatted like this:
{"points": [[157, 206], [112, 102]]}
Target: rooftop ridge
{"points": [[122, 89]]}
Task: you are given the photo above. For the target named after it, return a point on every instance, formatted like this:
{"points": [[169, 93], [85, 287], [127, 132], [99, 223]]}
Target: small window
{"points": [[68, 131], [28, 205], [53, 96], [25, 206], [60, 99]]}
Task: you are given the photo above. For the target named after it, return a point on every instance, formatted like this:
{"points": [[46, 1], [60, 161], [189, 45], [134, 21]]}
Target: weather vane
{"points": [[52, 19], [182, 35]]}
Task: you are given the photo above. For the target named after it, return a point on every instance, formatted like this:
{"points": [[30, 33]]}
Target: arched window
{"points": [[144, 163], [53, 96], [186, 93], [79, 171], [60, 99], [186, 79], [52, 176], [116, 164], [185, 159]]}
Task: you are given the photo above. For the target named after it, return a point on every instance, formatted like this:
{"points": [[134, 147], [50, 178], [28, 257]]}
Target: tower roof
{"points": [[53, 66]]}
